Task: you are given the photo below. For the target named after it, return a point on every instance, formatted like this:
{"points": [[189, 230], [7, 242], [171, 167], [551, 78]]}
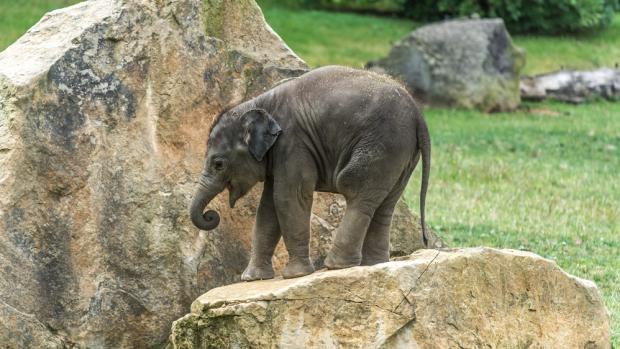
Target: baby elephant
{"points": [[333, 129]]}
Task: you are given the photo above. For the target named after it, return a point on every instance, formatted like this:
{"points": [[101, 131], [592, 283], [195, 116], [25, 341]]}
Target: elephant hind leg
{"points": [[376, 247], [365, 182], [346, 250]]}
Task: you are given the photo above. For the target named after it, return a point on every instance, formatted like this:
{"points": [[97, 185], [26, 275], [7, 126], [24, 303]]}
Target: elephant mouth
{"points": [[233, 195], [235, 192]]}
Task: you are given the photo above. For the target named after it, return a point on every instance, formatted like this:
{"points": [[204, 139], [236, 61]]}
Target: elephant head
{"points": [[235, 160]]}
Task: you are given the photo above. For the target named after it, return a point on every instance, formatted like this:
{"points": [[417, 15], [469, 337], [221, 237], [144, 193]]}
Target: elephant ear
{"points": [[261, 132]]}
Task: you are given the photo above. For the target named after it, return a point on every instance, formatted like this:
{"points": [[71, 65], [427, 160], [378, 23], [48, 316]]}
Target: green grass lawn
{"points": [[17, 16], [585, 51], [544, 179], [323, 38]]}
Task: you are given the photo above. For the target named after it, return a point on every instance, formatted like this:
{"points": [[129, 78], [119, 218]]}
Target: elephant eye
{"points": [[218, 165]]}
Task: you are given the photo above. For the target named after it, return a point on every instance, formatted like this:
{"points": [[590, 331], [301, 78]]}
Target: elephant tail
{"points": [[424, 144]]}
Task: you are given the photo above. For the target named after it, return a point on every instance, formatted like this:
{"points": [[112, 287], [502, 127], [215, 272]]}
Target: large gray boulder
{"points": [[469, 63], [105, 109], [466, 298]]}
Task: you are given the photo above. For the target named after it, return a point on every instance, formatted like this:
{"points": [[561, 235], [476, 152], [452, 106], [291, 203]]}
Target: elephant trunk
{"points": [[210, 219]]}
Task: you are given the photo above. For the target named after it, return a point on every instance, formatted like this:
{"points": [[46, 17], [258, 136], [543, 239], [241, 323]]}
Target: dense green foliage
{"points": [[521, 16], [393, 6], [543, 179], [379, 6], [544, 16]]}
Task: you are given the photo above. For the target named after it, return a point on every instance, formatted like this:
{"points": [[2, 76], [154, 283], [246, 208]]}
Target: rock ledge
{"points": [[475, 297]]}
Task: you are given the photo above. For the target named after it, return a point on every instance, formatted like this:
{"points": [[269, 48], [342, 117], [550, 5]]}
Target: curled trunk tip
{"points": [[212, 218], [208, 220]]}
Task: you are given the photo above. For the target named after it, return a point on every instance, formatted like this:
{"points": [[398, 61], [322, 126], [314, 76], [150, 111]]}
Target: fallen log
{"points": [[572, 86]]}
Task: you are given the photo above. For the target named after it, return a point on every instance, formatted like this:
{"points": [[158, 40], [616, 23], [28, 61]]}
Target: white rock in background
{"points": [[572, 86]]}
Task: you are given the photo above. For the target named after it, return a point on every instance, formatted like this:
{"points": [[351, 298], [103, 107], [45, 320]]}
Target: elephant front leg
{"points": [[293, 207], [265, 237]]}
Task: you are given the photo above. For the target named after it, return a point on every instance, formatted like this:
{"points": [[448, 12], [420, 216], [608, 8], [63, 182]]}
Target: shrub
{"points": [[379, 6], [385, 6], [535, 16], [542, 16]]}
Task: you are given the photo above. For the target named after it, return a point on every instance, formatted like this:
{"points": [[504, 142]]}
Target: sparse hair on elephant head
{"points": [[236, 150]]}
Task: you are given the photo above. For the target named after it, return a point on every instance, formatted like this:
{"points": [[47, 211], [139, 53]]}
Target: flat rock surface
{"points": [[460, 298]]}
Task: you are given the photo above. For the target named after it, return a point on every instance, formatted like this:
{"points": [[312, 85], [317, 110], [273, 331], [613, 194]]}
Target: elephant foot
{"points": [[253, 272], [335, 260], [298, 267], [373, 261]]}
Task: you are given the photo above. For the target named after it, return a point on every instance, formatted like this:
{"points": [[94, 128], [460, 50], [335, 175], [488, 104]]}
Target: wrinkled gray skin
{"points": [[333, 129]]}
